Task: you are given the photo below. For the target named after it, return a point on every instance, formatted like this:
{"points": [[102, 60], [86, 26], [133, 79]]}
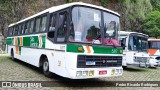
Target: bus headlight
{"points": [[91, 73], [120, 71], [85, 73], [78, 73], [116, 71]]}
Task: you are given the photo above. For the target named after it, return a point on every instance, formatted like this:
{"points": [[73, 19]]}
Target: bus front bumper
{"points": [[138, 64], [84, 73]]}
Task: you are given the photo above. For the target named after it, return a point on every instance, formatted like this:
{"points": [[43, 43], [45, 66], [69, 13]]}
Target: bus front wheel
{"points": [[45, 68]]}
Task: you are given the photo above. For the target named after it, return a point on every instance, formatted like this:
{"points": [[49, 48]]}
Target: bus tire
{"points": [[12, 54], [124, 67], [45, 68]]}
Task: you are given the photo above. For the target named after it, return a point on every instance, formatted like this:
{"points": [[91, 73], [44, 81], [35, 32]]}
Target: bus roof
{"points": [[127, 33], [153, 39], [56, 8]]}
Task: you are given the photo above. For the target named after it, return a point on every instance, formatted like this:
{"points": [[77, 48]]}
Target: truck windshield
{"points": [[86, 25], [137, 43]]}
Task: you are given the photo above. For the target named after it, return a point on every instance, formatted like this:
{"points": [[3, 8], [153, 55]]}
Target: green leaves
{"points": [[151, 25], [104, 2]]}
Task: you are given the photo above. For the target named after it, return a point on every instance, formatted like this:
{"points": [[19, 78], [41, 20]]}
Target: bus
{"points": [[134, 49], [68, 40], [154, 49]]}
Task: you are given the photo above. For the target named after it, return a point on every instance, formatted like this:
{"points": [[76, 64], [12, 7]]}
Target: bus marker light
{"points": [[112, 72], [121, 51], [85, 73], [52, 53], [91, 73], [80, 49]]}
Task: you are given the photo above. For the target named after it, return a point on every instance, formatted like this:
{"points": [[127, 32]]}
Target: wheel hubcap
{"points": [[45, 66]]}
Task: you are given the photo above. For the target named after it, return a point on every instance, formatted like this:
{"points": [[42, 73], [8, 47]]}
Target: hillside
{"points": [[134, 13]]}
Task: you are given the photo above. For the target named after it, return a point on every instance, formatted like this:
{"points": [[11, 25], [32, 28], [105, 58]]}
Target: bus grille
{"points": [[141, 59], [98, 61]]}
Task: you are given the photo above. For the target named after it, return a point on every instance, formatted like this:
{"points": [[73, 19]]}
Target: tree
{"points": [[151, 25], [133, 13], [155, 4]]}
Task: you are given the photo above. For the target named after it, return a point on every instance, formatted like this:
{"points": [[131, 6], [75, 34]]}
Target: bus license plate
{"points": [[90, 62], [142, 64]]}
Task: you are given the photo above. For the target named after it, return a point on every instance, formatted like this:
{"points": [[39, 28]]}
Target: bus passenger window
{"points": [[43, 25], [31, 26], [16, 31], [52, 24], [22, 28], [10, 31], [19, 31], [61, 33], [37, 24], [26, 27]]}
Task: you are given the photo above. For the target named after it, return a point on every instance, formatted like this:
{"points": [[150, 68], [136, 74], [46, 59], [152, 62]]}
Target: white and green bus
{"points": [[68, 40]]}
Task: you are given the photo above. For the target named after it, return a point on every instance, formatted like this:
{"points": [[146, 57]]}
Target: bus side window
{"points": [[52, 24], [13, 32], [22, 28], [19, 31], [123, 43], [43, 24], [62, 27], [16, 30], [38, 20], [10, 31], [31, 26]]}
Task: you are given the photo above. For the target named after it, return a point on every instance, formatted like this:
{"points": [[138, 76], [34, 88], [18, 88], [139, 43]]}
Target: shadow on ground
{"points": [[135, 69]]}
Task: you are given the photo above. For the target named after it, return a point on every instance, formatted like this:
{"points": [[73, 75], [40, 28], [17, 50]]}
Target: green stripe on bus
{"points": [[30, 41], [96, 49], [74, 48], [106, 50], [9, 41]]}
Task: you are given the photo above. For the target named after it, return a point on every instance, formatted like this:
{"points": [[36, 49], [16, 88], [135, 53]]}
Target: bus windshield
{"points": [[86, 25], [138, 43], [154, 44]]}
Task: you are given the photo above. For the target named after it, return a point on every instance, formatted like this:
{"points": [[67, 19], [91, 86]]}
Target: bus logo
{"points": [[114, 50]]}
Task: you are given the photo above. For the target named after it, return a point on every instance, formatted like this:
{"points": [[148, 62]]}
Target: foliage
{"points": [[155, 4], [69, 1], [133, 12], [151, 24], [104, 2]]}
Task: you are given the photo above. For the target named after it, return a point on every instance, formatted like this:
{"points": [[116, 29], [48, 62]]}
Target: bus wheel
{"points": [[45, 68], [124, 67], [12, 55]]}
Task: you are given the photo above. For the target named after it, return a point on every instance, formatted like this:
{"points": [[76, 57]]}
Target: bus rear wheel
{"points": [[12, 54], [45, 68]]}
